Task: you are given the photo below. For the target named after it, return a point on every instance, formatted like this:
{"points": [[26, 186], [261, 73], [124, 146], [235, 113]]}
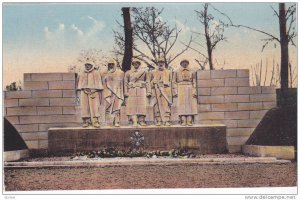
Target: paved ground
{"points": [[184, 175]]}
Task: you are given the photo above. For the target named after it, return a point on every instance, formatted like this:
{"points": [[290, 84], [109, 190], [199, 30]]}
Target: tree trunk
{"points": [[284, 52], [126, 63], [207, 37]]}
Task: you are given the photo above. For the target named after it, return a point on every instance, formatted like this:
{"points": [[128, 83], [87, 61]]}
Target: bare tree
{"points": [[96, 56], [152, 37], [128, 39], [213, 35], [287, 18]]}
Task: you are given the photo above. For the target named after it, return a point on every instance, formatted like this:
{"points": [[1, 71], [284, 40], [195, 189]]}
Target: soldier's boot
{"points": [[158, 121], [85, 122], [167, 123], [117, 120], [142, 120], [96, 122], [134, 120], [183, 120], [189, 120]]}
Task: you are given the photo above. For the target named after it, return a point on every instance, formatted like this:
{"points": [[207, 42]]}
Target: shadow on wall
{"points": [[12, 139]]}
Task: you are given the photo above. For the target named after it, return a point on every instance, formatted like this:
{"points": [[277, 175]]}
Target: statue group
{"points": [[135, 89]]}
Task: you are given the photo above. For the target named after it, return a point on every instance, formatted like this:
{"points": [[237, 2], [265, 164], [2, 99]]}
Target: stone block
{"points": [[49, 110], [224, 107], [233, 132], [61, 85], [280, 152], [248, 123], [46, 93], [269, 105], [203, 74], [249, 90], [228, 123], [43, 144], [258, 114], [69, 93], [15, 155], [228, 73], [268, 89], [250, 106], [236, 98], [210, 83], [240, 140], [44, 119], [11, 103], [223, 90], [70, 110], [17, 94], [69, 76], [27, 128], [46, 76], [204, 107], [62, 102], [243, 73], [43, 135], [45, 127], [211, 115], [34, 102], [237, 115], [262, 97], [204, 91], [236, 81], [234, 148], [29, 136], [35, 85], [26, 77], [32, 144], [13, 119], [21, 111], [204, 139], [210, 99]]}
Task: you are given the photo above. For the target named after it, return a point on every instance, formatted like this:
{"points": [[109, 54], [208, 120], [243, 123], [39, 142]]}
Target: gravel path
{"points": [[151, 176]]}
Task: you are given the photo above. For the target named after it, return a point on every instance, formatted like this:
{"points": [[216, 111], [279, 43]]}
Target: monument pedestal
{"points": [[205, 139]]}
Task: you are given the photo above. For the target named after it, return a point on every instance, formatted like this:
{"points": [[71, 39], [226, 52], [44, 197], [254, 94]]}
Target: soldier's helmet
{"points": [[184, 60], [136, 61], [111, 61], [161, 60]]}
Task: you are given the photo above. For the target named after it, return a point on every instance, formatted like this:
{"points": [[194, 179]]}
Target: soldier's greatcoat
{"points": [[185, 88], [161, 84], [90, 80], [114, 93], [136, 84]]}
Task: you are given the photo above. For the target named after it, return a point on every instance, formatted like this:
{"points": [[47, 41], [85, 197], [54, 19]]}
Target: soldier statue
{"points": [[161, 84], [186, 92], [114, 95], [137, 88], [90, 87]]}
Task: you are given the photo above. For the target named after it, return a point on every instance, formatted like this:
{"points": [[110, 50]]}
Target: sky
{"points": [[47, 37]]}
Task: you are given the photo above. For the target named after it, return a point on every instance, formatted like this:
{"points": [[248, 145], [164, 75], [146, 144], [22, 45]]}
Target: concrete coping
{"points": [[15, 155], [145, 161], [139, 127]]}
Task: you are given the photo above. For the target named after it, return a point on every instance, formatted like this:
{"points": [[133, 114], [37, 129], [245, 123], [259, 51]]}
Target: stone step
{"points": [[146, 161]]}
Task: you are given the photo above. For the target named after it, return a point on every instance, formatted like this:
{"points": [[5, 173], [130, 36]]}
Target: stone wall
{"points": [[48, 100], [224, 96]]}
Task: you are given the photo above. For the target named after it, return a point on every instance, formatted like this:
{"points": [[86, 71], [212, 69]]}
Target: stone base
{"points": [[205, 139], [15, 155], [282, 152]]}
